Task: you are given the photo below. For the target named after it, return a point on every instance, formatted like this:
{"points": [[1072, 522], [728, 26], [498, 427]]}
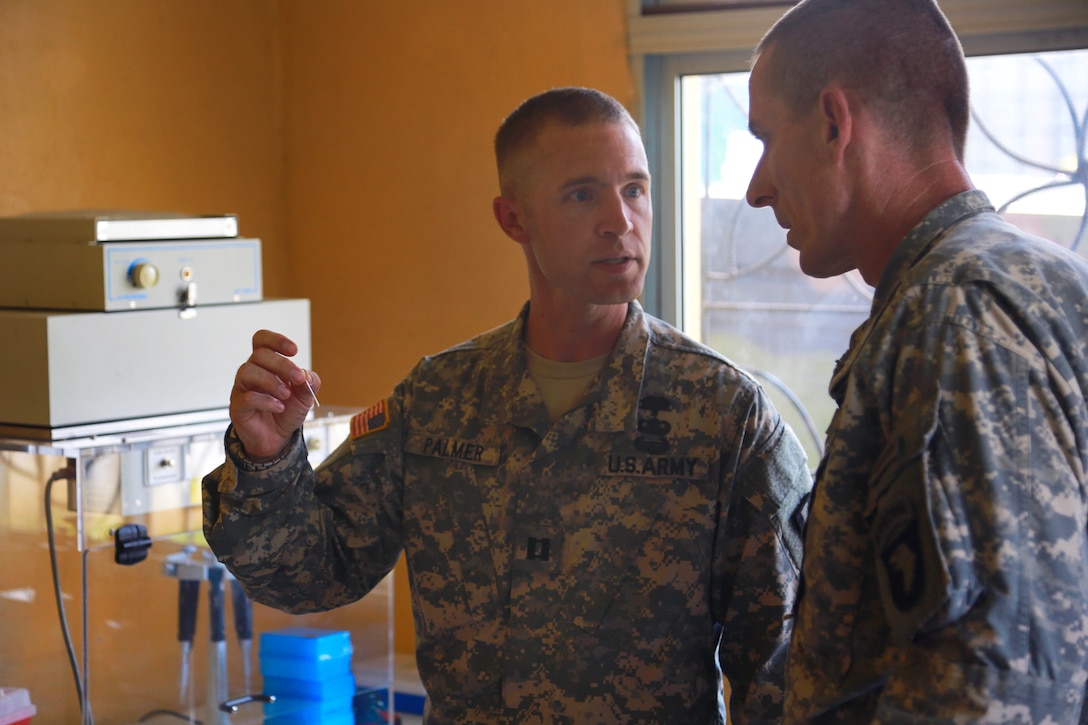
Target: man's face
{"points": [[584, 202], [797, 178]]}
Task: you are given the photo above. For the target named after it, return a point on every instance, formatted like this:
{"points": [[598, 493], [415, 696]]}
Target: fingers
{"points": [[268, 379], [274, 341], [257, 388], [271, 397]]}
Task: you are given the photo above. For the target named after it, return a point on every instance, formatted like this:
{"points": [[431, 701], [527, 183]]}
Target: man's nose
{"points": [[761, 191], [615, 215]]}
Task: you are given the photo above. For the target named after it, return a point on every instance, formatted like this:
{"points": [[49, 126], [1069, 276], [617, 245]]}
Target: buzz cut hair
{"points": [[569, 106], [901, 56]]}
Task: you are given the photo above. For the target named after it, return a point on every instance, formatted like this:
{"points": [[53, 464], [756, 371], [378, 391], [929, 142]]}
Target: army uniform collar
{"points": [[614, 398], [910, 251]]}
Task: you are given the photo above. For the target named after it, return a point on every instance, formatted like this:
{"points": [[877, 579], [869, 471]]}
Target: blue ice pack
{"points": [[305, 653], [340, 717], [309, 643], [309, 712], [338, 687]]}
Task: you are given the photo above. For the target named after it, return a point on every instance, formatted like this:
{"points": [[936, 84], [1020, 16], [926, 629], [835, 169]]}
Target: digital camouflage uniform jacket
{"points": [[590, 571], [945, 577]]}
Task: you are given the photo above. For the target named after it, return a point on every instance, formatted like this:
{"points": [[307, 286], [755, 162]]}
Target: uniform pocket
{"points": [[448, 542], [660, 539]]}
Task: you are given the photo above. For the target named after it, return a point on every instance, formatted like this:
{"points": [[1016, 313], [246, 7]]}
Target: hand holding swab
{"points": [[310, 388]]}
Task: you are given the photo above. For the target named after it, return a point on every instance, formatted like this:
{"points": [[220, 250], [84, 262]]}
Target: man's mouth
{"points": [[615, 260]]}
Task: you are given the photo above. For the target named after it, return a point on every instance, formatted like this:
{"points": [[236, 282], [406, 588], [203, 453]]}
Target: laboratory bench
{"points": [[150, 628]]}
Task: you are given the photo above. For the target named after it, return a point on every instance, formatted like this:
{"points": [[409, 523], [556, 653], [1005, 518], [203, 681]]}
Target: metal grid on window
{"points": [[656, 7], [1026, 150]]}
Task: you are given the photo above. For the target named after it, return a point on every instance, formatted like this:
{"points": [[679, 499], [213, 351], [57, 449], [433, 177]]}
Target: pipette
{"points": [[188, 596], [243, 625], [218, 626]]}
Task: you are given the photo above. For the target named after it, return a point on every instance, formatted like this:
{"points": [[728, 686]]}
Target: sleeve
{"points": [[979, 563], [304, 541], [760, 558]]}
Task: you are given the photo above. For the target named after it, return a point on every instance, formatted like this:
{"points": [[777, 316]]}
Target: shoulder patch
{"points": [[371, 420]]}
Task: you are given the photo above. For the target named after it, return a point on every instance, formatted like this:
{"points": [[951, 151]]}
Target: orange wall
{"points": [[171, 104], [390, 112], [353, 138]]}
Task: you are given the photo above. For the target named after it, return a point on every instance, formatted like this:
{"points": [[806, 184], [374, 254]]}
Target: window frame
{"points": [[665, 47]]}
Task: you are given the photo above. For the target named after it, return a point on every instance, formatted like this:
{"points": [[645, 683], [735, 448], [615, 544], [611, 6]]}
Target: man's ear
{"points": [[508, 215], [837, 115]]}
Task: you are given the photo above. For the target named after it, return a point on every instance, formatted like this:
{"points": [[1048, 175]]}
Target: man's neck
{"points": [[899, 207], [568, 336]]}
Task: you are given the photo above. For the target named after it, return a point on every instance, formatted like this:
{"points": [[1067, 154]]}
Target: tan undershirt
{"points": [[562, 384]]}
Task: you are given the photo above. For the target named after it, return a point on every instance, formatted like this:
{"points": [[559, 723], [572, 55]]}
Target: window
{"points": [[724, 273], [650, 7]]}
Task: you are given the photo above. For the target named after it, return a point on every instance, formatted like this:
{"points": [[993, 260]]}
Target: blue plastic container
{"points": [[294, 668], [308, 643], [340, 717], [339, 687], [305, 653], [308, 712]]}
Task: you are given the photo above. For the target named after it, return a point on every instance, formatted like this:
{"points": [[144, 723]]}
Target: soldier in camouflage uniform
{"points": [[599, 515], [945, 575]]}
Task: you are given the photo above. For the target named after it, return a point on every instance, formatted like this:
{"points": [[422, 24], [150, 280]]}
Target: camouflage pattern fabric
{"points": [[606, 568], [945, 578]]}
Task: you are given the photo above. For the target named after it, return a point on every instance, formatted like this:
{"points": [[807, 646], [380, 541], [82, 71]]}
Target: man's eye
{"points": [[634, 191], [580, 195]]}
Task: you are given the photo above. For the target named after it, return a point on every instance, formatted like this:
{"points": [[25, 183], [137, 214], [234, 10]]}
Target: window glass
{"points": [[687, 6], [1025, 149]]}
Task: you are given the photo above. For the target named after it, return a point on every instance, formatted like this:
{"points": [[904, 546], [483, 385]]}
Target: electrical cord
{"points": [[66, 474], [85, 705], [171, 713], [58, 475], [810, 425]]}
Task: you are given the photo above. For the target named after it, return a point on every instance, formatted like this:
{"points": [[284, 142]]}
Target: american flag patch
{"points": [[370, 420]]}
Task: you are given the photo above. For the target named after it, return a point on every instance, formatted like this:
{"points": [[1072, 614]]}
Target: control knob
{"points": [[144, 275]]}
